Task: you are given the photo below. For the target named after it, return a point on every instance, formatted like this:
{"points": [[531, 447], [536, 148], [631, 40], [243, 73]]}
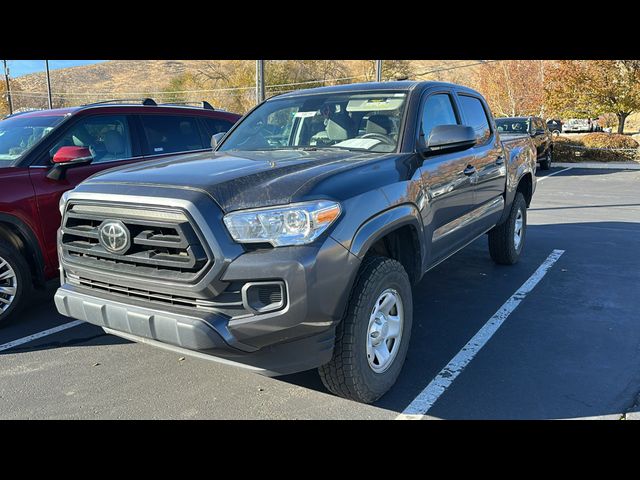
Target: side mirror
{"points": [[68, 157], [445, 138], [215, 139]]}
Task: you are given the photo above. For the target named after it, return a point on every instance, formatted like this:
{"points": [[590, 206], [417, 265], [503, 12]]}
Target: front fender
{"points": [[385, 222]]}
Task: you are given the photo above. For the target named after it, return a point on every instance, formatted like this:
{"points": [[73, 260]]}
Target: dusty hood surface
{"points": [[241, 179]]}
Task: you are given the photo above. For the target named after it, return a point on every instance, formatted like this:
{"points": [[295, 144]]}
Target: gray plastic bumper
{"points": [[184, 331]]}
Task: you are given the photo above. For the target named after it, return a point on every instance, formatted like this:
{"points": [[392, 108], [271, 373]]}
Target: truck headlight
{"points": [[63, 202], [295, 224]]}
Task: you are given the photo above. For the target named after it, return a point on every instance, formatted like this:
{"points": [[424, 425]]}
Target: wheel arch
{"points": [[395, 233], [18, 234]]}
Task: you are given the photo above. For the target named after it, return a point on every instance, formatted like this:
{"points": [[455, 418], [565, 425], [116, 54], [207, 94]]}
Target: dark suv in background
{"points": [[536, 128], [44, 153]]}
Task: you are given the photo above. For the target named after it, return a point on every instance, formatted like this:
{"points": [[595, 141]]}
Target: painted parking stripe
{"points": [[430, 395], [44, 333], [539, 179]]}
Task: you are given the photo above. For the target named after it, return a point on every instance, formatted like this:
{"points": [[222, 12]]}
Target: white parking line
{"points": [[430, 395], [44, 333], [539, 179]]}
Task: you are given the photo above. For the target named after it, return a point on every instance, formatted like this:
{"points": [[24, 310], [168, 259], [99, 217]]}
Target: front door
{"points": [[109, 139]]}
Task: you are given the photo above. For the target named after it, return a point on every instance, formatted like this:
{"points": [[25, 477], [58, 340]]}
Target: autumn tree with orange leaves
{"points": [[588, 88], [513, 87]]}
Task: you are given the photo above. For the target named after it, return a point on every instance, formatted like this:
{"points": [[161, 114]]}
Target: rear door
{"points": [[109, 137], [490, 174], [449, 191]]}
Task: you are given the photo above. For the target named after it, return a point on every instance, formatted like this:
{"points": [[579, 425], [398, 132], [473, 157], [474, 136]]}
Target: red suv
{"points": [[47, 152]]}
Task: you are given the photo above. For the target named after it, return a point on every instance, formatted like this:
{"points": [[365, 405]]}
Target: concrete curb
{"points": [[600, 165]]}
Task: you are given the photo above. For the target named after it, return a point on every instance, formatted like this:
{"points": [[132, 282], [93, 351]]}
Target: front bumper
{"points": [[317, 279], [190, 335]]}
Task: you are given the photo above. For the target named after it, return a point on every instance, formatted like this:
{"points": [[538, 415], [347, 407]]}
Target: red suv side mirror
{"points": [[72, 154], [67, 157]]}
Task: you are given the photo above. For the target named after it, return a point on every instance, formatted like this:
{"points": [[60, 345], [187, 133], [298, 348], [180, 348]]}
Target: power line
{"points": [[481, 62]]}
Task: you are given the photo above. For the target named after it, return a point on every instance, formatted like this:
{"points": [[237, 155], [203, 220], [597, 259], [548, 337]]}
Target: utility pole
{"points": [[378, 70], [6, 78], [46, 64], [259, 81]]}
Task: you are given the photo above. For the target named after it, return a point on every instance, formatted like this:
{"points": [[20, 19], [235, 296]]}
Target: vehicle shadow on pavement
{"points": [[569, 350], [41, 315]]}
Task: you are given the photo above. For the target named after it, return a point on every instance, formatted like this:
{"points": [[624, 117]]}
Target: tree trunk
{"points": [[622, 117]]}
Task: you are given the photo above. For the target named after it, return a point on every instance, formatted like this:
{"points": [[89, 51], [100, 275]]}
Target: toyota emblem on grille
{"points": [[114, 236]]}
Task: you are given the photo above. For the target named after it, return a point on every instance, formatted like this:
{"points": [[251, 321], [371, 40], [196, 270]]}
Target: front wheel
{"points": [[506, 240], [373, 338], [15, 282]]}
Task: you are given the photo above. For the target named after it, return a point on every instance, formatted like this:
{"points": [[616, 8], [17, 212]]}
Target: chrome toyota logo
{"points": [[114, 236]]}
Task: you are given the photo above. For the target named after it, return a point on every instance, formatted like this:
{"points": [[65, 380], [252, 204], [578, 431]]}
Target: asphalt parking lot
{"points": [[570, 349]]}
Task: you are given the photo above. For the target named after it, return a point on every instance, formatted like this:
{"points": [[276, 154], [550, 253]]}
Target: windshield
{"points": [[509, 125], [19, 134], [352, 121]]}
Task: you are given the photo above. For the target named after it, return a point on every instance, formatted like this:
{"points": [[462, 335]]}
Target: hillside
{"points": [[141, 78]]}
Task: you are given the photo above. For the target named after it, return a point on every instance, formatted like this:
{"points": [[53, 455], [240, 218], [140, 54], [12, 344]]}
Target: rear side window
{"points": [[437, 110], [476, 117], [171, 133], [217, 125]]}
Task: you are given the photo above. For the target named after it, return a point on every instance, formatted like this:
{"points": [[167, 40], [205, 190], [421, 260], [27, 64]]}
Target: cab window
{"points": [[476, 117], [437, 110]]}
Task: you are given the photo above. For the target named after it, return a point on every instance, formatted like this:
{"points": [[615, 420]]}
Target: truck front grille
{"points": [[162, 243]]}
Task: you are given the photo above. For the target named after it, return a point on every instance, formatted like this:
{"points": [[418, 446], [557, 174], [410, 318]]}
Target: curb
{"points": [[600, 166]]}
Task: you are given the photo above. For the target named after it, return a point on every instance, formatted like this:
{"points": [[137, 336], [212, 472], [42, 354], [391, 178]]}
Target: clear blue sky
{"points": [[23, 67]]}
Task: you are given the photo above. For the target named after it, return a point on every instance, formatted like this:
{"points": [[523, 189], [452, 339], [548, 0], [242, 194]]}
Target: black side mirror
{"points": [[215, 139], [66, 158], [448, 138]]}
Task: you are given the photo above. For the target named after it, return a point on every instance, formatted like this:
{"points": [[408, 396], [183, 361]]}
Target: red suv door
{"points": [[109, 137]]}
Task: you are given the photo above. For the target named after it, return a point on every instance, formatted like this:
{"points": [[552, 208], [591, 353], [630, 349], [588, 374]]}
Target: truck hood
{"points": [[238, 180]]}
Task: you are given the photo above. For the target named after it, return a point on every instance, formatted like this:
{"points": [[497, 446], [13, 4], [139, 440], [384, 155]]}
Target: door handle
{"points": [[470, 170], [500, 160]]}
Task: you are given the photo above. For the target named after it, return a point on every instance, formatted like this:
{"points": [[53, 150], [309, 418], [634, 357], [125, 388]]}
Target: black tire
{"points": [[23, 283], [502, 245], [545, 163], [349, 374]]}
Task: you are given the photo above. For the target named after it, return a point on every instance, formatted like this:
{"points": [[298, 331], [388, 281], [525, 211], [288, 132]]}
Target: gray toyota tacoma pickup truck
{"points": [[296, 242]]}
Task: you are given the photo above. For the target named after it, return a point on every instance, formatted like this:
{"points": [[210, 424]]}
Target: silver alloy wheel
{"points": [[384, 333], [517, 230], [8, 285]]}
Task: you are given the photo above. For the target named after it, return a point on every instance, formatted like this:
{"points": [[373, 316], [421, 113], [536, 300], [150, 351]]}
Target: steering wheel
{"points": [[379, 136]]}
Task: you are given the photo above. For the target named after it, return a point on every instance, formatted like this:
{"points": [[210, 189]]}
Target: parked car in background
{"points": [[44, 153], [554, 126], [295, 244], [576, 125], [534, 127]]}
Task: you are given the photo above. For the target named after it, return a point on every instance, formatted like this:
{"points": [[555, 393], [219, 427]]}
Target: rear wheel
{"points": [[506, 241], [373, 338], [545, 163], [15, 282]]}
